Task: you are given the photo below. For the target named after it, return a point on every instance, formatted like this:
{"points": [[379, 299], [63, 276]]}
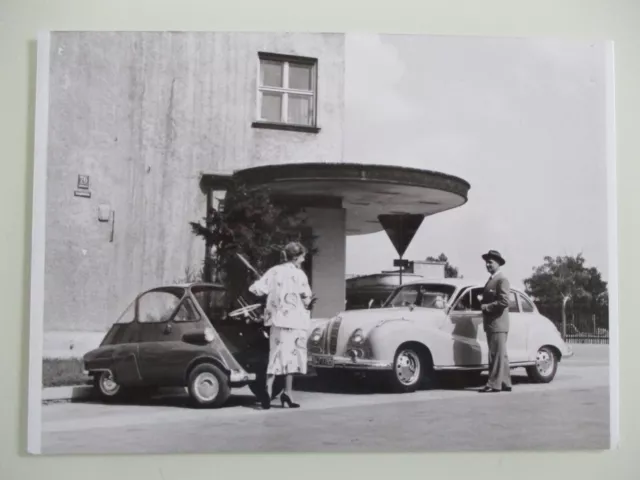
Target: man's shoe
{"points": [[488, 389], [506, 389]]}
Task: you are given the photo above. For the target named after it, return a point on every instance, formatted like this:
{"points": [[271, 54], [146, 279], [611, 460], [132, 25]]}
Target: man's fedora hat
{"points": [[494, 255]]}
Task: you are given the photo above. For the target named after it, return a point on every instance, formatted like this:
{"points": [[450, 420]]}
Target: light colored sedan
{"points": [[429, 326]]}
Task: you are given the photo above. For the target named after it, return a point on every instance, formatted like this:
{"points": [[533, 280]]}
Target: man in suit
{"points": [[495, 313]]}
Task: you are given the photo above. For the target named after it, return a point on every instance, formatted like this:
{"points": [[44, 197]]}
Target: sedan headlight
{"points": [[316, 335], [357, 338]]}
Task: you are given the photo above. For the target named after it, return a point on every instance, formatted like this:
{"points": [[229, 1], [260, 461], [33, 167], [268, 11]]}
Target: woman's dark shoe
{"points": [[284, 398]]}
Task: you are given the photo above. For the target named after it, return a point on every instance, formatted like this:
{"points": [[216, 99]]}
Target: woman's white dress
{"points": [[288, 292]]}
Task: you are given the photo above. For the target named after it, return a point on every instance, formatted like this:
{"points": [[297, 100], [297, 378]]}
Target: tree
{"points": [[569, 276], [449, 270], [251, 224]]}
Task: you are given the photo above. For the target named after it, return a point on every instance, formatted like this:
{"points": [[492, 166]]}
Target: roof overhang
{"points": [[364, 191]]}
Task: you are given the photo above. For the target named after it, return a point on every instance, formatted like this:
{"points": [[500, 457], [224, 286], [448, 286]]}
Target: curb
{"points": [[56, 394], [86, 392]]}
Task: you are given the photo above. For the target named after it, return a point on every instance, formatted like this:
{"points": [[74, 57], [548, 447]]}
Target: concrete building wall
{"points": [[144, 115]]}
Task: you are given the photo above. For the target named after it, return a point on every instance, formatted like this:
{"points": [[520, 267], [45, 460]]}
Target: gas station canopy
{"points": [[365, 191]]}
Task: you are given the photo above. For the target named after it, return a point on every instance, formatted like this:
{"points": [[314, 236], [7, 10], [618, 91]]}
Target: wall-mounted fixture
{"points": [[104, 212], [82, 187]]}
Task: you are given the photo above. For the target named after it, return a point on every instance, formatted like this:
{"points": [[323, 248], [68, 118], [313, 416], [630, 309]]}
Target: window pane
{"points": [[300, 77], [300, 109], [157, 307], [213, 302], [476, 299], [513, 306], [526, 305], [271, 73], [186, 313], [271, 107], [128, 315]]}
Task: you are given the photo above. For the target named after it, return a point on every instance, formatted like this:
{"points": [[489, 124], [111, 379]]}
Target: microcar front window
{"points": [[129, 314], [429, 295], [158, 306]]}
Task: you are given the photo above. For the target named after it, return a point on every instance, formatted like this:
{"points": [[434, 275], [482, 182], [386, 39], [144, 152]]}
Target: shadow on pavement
{"points": [[347, 384]]}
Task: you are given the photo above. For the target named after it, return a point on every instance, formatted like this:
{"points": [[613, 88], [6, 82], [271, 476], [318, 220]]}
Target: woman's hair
{"points": [[293, 250]]}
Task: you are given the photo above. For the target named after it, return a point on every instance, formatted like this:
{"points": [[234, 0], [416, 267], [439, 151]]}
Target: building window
{"points": [[287, 92]]}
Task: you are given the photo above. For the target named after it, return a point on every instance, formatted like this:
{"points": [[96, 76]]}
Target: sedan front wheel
{"points": [[408, 370]]}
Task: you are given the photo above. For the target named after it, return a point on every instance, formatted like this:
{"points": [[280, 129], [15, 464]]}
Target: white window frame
{"points": [[286, 60]]}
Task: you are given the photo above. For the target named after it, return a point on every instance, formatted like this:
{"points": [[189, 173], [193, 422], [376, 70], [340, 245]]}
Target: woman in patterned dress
{"points": [[287, 313]]}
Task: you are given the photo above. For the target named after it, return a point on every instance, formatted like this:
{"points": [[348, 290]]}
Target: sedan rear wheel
{"points": [[545, 368]]}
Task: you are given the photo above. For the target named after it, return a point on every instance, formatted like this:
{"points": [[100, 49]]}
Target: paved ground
{"points": [[570, 413]]}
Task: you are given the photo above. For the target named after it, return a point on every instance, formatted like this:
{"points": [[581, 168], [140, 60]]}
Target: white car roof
{"points": [[456, 282]]}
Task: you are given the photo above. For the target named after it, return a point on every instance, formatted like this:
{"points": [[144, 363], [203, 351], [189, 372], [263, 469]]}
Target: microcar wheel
{"points": [[545, 368], [408, 371], [107, 387], [208, 386]]}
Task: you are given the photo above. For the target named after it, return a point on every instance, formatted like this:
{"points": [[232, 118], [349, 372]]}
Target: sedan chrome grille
{"points": [[334, 329]]}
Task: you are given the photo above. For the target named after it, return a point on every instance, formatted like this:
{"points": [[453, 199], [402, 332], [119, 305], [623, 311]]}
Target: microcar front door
{"points": [[164, 320]]}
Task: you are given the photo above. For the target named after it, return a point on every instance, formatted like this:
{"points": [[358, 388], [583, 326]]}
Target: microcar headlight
{"points": [[357, 337], [316, 335], [209, 335]]}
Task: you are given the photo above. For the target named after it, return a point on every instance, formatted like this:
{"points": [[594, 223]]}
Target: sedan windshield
{"points": [[426, 295]]}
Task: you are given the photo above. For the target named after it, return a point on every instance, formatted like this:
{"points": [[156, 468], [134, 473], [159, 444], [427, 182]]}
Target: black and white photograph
{"points": [[254, 242]]}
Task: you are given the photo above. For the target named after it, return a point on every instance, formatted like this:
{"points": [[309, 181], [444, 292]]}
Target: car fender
{"points": [[545, 333], [386, 337], [208, 357], [120, 360]]}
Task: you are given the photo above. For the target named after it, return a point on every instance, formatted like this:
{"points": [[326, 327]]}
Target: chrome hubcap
{"points": [[545, 362], [108, 384], [206, 386], [407, 367]]}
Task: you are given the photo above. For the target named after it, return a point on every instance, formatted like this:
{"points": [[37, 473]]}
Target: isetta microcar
{"points": [[181, 336]]}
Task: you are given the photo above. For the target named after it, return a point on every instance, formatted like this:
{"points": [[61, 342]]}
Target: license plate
{"points": [[322, 361]]}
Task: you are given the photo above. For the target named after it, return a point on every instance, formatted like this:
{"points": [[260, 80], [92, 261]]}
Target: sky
{"points": [[522, 120]]}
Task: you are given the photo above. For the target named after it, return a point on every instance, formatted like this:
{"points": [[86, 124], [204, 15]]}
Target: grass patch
{"points": [[63, 372]]}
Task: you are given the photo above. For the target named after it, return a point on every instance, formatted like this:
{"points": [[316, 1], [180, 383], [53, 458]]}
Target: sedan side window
{"points": [[476, 299], [513, 303], [525, 304], [470, 301]]}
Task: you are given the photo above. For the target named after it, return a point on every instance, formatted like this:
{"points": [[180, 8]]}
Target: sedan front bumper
{"points": [[333, 361]]}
